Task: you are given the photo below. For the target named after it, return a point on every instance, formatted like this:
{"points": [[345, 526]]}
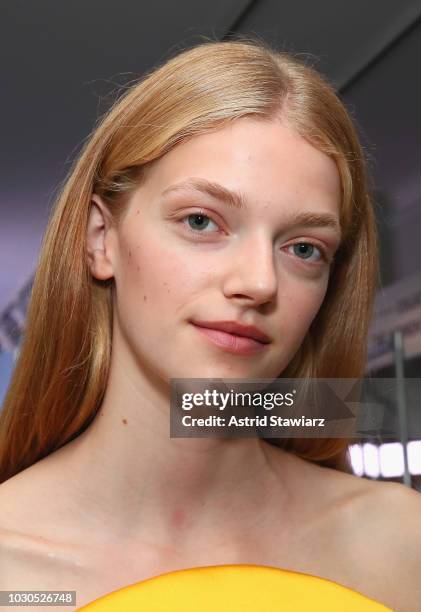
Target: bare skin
{"points": [[123, 501], [364, 535]]}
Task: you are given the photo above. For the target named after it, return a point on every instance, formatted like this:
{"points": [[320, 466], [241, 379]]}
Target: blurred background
{"points": [[64, 63]]}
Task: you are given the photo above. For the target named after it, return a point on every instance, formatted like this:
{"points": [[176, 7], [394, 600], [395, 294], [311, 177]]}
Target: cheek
{"points": [[301, 306], [146, 278], [155, 282], [149, 292]]}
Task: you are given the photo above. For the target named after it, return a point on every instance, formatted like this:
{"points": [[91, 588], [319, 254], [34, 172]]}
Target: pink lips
{"points": [[231, 342]]}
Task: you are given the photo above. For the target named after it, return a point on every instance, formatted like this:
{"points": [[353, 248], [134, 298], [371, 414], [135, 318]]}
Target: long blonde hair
{"points": [[62, 369]]}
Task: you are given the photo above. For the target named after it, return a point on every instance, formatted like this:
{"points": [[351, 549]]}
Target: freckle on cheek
{"points": [[145, 298], [138, 268], [125, 421]]}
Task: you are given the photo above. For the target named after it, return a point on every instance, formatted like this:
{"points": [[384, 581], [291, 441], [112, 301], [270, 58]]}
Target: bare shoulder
{"points": [[21, 549], [35, 553], [385, 523], [369, 535], [36, 502], [395, 509], [34, 550]]}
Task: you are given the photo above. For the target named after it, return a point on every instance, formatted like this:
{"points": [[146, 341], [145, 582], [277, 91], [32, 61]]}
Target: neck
{"points": [[132, 478]]}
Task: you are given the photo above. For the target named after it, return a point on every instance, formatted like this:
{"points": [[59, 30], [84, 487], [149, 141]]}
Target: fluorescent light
{"points": [[371, 460], [414, 457], [356, 457], [391, 459], [385, 460]]}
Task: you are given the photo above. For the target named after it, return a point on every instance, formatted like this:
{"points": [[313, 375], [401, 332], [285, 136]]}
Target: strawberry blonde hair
{"points": [[63, 365]]}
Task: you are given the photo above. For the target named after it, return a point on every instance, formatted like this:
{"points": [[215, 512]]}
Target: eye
{"points": [[307, 251], [198, 222]]}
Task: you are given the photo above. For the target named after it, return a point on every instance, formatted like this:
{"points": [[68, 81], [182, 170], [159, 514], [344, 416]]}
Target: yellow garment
{"points": [[235, 588]]}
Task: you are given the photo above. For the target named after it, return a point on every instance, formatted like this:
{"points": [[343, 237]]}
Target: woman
{"points": [[183, 209]]}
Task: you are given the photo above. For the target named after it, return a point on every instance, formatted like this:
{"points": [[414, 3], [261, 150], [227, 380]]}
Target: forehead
{"points": [[266, 160]]}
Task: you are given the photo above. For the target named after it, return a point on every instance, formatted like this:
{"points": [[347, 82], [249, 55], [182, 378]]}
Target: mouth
{"points": [[231, 342]]}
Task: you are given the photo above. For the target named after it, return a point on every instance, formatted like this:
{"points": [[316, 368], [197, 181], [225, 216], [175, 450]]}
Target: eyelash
{"points": [[324, 255]]}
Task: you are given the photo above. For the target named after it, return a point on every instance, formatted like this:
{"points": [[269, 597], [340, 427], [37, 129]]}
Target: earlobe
{"points": [[98, 243]]}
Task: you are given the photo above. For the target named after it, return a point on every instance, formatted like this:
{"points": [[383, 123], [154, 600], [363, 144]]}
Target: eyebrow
{"points": [[235, 199]]}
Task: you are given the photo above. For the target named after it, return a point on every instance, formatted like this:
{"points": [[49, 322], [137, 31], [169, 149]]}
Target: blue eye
{"points": [[305, 250], [197, 222]]}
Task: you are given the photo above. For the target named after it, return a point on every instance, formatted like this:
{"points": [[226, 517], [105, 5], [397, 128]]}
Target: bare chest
{"points": [[95, 571]]}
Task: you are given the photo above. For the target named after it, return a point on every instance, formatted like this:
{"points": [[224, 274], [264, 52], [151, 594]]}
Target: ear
{"points": [[98, 243]]}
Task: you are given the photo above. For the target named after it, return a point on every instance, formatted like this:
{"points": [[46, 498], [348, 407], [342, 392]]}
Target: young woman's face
{"points": [[186, 252]]}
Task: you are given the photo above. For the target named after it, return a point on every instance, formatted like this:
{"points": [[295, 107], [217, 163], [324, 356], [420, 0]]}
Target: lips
{"points": [[232, 327], [233, 342]]}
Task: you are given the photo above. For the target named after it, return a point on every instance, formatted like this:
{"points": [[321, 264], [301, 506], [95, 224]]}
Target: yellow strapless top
{"points": [[235, 588]]}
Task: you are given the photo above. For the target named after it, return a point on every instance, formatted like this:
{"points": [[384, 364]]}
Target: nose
{"points": [[251, 274]]}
